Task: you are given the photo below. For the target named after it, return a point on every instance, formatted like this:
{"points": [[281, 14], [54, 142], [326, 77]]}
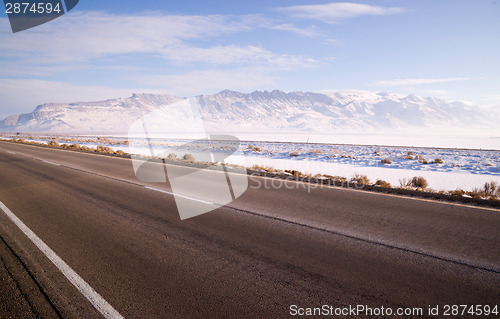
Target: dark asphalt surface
{"points": [[267, 250]]}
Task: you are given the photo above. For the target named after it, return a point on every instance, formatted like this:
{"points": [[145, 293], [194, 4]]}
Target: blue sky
{"points": [[107, 49]]}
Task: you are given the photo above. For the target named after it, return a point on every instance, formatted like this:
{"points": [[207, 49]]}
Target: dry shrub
{"points": [[476, 193], [294, 173], [53, 143], [386, 161], [295, 153], [491, 188], [251, 147], [458, 192], [172, 156], [411, 153], [257, 149], [438, 161], [104, 149], [382, 183], [360, 179], [188, 157], [264, 168], [75, 146], [419, 182], [404, 182]]}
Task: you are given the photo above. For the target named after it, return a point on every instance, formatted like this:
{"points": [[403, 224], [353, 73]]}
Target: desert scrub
{"points": [[419, 182], [257, 149], [404, 182], [75, 146], [457, 192], [104, 150], [53, 143], [386, 161], [172, 156], [294, 173], [438, 161], [294, 154], [360, 179], [263, 168], [491, 189], [188, 157], [120, 152], [382, 183]]}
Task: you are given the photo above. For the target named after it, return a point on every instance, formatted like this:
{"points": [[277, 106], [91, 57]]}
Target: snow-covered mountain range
{"points": [[276, 111]]}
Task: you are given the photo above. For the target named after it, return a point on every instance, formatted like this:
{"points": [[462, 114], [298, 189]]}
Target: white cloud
{"points": [[84, 36], [336, 11], [406, 82], [311, 31], [235, 55], [333, 42]]}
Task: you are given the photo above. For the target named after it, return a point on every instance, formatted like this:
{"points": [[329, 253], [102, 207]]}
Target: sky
{"points": [[107, 49]]}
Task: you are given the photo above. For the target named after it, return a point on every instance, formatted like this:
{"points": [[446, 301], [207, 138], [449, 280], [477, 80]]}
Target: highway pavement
{"points": [[115, 246]]}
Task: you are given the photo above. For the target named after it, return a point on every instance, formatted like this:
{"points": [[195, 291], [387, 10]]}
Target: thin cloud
{"points": [[236, 55], [93, 34], [85, 36], [337, 11], [310, 32], [407, 82]]}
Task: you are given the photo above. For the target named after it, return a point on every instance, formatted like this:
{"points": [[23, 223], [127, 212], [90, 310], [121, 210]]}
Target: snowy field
{"points": [[443, 168]]}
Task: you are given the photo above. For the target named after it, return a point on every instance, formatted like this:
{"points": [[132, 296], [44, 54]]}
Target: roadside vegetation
{"points": [[74, 146], [489, 191]]}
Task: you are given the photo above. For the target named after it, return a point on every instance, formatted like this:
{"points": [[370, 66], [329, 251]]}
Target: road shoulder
{"points": [[20, 295]]}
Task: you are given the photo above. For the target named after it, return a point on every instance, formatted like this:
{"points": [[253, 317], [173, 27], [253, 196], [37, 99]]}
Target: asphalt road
{"points": [[253, 258]]}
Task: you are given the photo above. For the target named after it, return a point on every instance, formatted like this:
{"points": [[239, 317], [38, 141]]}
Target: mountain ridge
{"points": [[232, 111]]}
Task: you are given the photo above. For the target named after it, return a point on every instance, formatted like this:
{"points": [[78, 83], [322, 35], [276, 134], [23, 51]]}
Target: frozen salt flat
{"points": [[460, 168]]}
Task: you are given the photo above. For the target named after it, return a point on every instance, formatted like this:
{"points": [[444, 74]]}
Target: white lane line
{"points": [[178, 195], [88, 292], [11, 152], [51, 163]]}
